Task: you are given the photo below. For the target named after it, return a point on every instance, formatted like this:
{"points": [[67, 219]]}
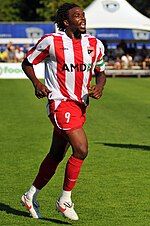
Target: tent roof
{"points": [[115, 14]]}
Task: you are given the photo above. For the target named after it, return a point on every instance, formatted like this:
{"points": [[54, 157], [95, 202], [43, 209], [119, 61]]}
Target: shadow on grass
{"points": [[9, 210], [56, 221], [128, 146]]}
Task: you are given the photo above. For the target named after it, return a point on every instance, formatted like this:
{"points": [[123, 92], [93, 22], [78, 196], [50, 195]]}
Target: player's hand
{"points": [[41, 90], [95, 91]]}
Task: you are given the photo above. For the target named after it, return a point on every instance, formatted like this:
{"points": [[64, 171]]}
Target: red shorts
{"points": [[66, 115]]}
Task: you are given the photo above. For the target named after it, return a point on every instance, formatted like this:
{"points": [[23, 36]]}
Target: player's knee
{"points": [[81, 151], [83, 155]]}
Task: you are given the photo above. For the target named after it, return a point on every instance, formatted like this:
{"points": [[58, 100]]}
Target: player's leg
{"points": [[54, 157], [78, 141], [47, 169]]}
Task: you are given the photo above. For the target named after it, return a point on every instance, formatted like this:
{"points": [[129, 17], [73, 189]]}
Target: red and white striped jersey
{"points": [[69, 64]]}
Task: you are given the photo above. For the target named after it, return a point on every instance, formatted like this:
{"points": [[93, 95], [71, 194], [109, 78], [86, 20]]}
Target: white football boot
{"points": [[67, 210], [31, 205]]}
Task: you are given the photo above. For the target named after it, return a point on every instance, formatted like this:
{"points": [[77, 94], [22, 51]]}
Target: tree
{"points": [[29, 10], [43, 10], [50, 7], [142, 6], [9, 10]]}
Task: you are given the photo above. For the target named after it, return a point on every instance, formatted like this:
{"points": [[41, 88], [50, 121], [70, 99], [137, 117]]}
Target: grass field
{"points": [[114, 185]]}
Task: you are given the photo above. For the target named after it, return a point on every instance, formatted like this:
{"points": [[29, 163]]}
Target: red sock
{"points": [[46, 171], [72, 172]]}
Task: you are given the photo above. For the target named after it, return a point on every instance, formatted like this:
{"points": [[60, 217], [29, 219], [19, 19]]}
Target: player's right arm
{"points": [[40, 89], [36, 55]]}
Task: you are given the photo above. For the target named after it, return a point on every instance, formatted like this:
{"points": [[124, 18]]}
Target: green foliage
{"points": [[32, 10], [19, 10], [43, 10], [9, 10], [29, 10], [50, 7], [141, 6]]}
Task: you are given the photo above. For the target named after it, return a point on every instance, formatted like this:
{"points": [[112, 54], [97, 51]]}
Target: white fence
{"points": [[14, 70]]}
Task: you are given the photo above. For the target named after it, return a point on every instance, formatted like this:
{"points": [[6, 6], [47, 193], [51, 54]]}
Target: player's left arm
{"points": [[96, 91]]}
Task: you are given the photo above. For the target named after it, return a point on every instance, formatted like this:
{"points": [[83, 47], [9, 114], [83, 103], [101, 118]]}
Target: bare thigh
{"points": [[78, 140]]}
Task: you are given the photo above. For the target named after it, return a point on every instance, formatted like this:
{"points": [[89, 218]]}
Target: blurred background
{"points": [[123, 27]]}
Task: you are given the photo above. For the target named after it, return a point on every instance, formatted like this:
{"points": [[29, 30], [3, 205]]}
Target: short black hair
{"points": [[62, 14]]}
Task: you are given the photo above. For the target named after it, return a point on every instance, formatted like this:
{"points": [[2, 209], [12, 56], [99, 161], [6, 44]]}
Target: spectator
{"points": [[137, 58], [117, 64], [146, 63], [119, 51], [132, 49], [123, 45], [26, 48], [126, 61], [4, 56], [11, 52], [19, 54], [144, 52]]}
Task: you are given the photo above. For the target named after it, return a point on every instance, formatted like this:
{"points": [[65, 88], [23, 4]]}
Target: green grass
{"points": [[114, 184]]}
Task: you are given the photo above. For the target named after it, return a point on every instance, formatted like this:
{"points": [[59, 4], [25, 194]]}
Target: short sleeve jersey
{"points": [[69, 64]]}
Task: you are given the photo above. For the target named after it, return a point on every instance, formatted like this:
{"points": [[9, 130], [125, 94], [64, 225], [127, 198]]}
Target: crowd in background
{"points": [[122, 57], [13, 53], [127, 56]]}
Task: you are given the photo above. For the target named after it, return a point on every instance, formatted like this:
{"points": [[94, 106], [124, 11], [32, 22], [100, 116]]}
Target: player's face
{"points": [[76, 20]]}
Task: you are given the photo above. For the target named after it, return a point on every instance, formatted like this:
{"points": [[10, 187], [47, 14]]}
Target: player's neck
{"points": [[73, 35]]}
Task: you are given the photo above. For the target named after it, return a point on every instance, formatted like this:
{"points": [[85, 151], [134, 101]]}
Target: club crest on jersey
{"points": [[90, 50]]}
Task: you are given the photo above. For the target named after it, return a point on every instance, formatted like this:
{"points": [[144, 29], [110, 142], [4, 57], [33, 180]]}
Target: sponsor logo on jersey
{"points": [[76, 67]]}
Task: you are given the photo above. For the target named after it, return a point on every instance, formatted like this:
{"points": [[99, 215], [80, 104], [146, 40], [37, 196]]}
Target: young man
{"points": [[71, 57]]}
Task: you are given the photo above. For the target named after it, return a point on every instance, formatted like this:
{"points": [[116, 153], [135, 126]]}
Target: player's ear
{"points": [[66, 23]]}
